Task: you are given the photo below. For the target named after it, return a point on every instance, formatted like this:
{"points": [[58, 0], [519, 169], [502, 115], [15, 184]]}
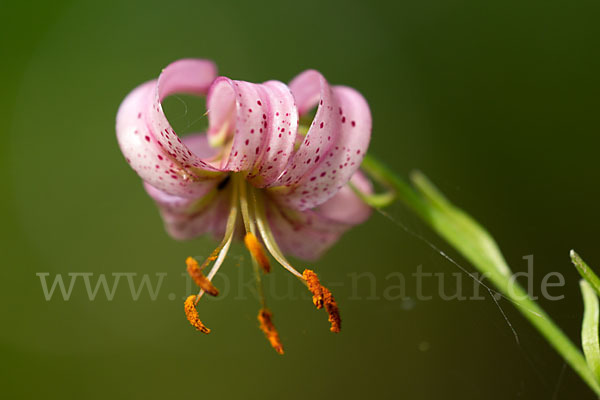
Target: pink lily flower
{"points": [[290, 183]]}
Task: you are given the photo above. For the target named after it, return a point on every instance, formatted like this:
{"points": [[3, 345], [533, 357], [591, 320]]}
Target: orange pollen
{"points": [[322, 297], [202, 281], [192, 315], [266, 325], [257, 251]]}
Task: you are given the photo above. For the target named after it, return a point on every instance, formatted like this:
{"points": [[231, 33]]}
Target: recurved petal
{"points": [[333, 148], [282, 128], [149, 143], [307, 89], [308, 234], [345, 206], [263, 119], [323, 132], [186, 218]]}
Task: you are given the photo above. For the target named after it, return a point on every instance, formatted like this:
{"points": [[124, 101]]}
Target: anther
{"points": [[202, 281], [322, 297], [257, 251], [192, 315], [266, 325]]}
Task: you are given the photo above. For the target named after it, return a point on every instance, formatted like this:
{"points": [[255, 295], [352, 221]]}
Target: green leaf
{"points": [[476, 245], [589, 328], [586, 272]]}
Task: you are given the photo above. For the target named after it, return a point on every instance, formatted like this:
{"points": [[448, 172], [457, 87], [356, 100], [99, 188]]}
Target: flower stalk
{"points": [[471, 240]]}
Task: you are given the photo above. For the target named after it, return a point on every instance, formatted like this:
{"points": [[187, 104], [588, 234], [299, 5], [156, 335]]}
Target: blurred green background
{"points": [[496, 101]]}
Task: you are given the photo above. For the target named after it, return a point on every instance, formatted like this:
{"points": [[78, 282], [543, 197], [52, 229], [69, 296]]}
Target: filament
{"points": [[268, 238], [250, 227], [218, 255]]}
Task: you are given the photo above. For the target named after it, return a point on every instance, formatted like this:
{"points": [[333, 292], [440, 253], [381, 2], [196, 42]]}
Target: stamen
{"points": [[268, 238], [257, 251], [266, 325], [322, 297], [202, 281], [249, 215], [221, 251], [218, 263], [192, 315], [244, 206], [251, 241]]}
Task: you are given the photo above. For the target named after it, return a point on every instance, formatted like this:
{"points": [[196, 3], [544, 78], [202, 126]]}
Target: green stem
{"points": [[478, 247]]}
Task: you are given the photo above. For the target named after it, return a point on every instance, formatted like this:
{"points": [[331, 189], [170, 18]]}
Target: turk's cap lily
{"points": [[253, 130], [289, 181]]}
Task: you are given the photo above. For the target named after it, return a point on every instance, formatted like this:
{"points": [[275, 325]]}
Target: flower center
{"points": [[250, 203]]}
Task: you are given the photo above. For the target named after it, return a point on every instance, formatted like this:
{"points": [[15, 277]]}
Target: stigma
{"points": [[249, 203]]}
